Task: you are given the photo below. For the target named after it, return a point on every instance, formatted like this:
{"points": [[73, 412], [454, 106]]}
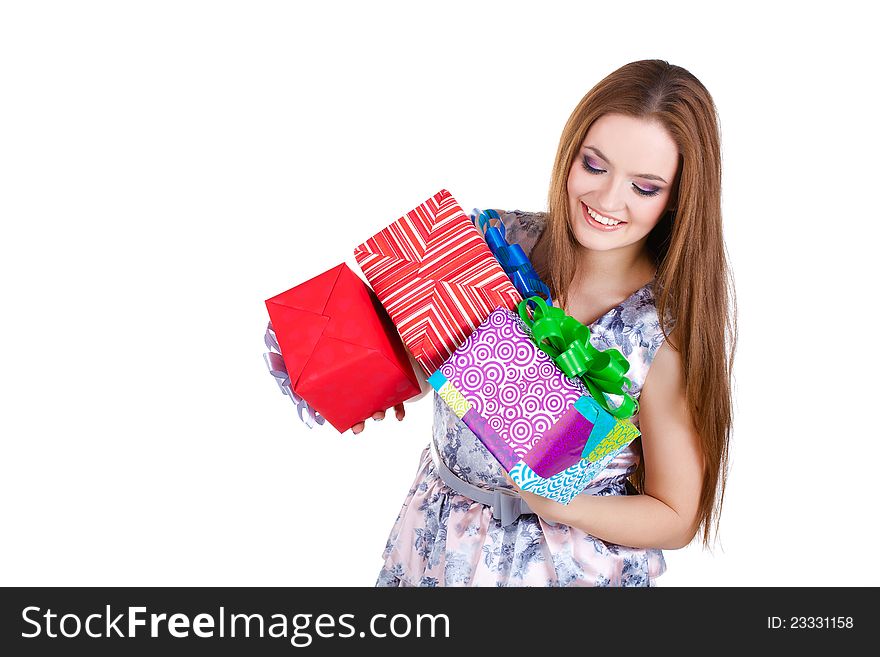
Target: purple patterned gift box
{"points": [[541, 426]]}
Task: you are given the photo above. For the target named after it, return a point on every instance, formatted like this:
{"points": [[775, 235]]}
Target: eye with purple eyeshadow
{"points": [[585, 161]]}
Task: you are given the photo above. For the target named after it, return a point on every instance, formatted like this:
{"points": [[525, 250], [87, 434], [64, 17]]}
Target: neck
{"points": [[620, 270]]}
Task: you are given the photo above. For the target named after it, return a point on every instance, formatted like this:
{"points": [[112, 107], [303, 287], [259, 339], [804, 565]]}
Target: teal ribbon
{"points": [[567, 342], [511, 257]]}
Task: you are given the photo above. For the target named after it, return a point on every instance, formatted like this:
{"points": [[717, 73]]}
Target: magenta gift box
{"points": [[541, 426]]}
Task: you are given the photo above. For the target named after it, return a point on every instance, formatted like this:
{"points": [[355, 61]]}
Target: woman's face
{"points": [[624, 171]]}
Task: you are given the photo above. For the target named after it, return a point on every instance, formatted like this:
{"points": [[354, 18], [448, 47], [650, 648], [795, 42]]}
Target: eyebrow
{"points": [[649, 176]]}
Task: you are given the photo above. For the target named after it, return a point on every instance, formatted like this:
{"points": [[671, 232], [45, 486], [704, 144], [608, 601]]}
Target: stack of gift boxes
{"points": [[449, 290]]}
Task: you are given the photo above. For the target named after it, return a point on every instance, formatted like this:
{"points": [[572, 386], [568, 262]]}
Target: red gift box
{"points": [[342, 352], [436, 277]]}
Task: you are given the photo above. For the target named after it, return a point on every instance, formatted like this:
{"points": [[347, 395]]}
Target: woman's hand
{"points": [[545, 507], [512, 483], [399, 412]]}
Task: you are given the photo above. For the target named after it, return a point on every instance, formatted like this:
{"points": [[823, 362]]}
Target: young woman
{"points": [[632, 246]]}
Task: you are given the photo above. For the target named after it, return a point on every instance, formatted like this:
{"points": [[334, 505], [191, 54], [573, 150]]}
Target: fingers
{"points": [[512, 483], [378, 416]]}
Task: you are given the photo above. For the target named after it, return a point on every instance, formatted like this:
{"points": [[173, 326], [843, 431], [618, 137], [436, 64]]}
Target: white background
{"points": [[167, 166]]}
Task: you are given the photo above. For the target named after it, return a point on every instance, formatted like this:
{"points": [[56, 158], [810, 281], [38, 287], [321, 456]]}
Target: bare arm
{"points": [[666, 515]]}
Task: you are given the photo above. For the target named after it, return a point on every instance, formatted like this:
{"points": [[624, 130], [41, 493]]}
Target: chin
{"points": [[583, 236]]}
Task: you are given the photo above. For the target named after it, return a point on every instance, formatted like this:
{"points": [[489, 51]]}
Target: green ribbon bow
{"points": [[567, 342]]}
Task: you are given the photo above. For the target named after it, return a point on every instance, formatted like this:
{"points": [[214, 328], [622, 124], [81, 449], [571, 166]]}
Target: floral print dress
{"points": [[441, 538]]}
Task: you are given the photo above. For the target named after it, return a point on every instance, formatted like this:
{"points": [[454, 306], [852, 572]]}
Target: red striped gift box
{"points": [[434, 274]]}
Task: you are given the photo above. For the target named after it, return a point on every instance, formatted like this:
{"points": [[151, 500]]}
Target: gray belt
{"points": [[506, 505]]}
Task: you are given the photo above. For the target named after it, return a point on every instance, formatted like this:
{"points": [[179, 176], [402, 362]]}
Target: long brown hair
{"points": [[693, 289]]}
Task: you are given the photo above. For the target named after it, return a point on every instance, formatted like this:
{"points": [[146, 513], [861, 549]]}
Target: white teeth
{"points": [[601, 219]]}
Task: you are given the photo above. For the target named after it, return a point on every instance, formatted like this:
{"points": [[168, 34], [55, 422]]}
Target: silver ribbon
{"points": [[506, 504], [278, 370]]}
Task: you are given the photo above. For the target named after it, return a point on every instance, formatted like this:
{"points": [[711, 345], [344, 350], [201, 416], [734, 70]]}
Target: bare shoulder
{"points": [[665, 377]]}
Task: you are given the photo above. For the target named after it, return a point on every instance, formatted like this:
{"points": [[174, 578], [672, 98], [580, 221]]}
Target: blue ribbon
{"points": [[511, 257]]}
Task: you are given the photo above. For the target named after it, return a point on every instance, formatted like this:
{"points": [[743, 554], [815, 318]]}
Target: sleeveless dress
{"points": [[441, 538]]}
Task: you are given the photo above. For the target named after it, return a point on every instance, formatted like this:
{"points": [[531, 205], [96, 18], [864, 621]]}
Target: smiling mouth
{"points": [[593, 219]]}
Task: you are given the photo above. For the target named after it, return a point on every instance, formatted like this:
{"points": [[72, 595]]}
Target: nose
{"points": [[610, 194]]}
